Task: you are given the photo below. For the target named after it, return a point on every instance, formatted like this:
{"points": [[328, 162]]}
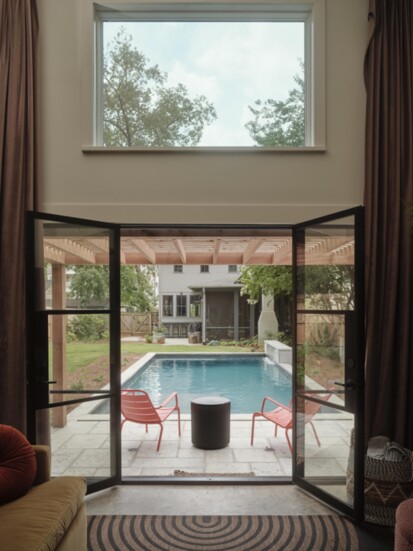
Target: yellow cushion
{"points": [[39, 520]]}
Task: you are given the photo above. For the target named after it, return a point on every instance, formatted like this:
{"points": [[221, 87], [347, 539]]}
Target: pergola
{"points": [[240, 250]]}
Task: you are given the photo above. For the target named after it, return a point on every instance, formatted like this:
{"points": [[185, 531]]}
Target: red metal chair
{"points": [[136, 406], [282, 416]]}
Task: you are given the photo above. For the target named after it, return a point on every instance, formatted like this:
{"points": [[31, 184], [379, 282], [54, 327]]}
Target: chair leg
{"points": [[275, 430], [253, 428], [179, 421], [288, 440], [315, 434], [122, 423], [160, 438], [146, 428]]}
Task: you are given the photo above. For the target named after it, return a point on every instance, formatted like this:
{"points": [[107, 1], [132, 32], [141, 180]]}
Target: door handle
{"points": [[44, 382], [349, 384]]}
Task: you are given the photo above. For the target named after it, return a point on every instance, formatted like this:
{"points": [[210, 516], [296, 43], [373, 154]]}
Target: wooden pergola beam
{"points": [[54, 256], [179, 246], [281, 252], [252, 247], [215, 253], [69, 246], [145, 249]]}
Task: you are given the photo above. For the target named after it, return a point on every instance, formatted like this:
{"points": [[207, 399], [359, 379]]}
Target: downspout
{"points": [[203, 315]]}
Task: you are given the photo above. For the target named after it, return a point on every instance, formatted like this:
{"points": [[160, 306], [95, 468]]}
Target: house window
{"points": [[195, 306], [204, 269], [167, 305], [181, 305], [235, 75], [178, 269], [232, 269]]}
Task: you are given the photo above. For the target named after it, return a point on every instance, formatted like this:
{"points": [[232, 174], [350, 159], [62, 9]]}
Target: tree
{"points": [[90, 285], [265, 280], [275, 281], [140, 109], [278, 122], [326, 287]]}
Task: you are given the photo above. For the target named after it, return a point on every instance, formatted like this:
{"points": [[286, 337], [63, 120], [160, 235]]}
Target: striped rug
{"points": [[219, 533]]}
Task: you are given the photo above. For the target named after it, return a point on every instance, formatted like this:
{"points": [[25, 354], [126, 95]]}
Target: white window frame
{"points": [[163, 305], [311, 12], [184, 299]]}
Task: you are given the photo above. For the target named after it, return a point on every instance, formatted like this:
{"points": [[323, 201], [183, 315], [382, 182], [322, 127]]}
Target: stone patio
{"points": [[82, 448]]}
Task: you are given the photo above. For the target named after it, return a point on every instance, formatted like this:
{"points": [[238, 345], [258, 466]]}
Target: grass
{"points": [[81, 354]]}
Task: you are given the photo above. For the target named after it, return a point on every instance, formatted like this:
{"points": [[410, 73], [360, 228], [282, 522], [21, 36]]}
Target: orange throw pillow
{"points": [[17, 464]]}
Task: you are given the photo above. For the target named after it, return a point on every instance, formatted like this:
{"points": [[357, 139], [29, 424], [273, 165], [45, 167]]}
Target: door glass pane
{"points": [[82, 447], [325, 266], [325, 455], [320, 351], [73, 354], [326, 359], [79, 358], [72, 265]]}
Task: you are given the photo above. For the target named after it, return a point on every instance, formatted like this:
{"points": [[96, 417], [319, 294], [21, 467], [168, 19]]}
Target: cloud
{"points": [[196, 83]]}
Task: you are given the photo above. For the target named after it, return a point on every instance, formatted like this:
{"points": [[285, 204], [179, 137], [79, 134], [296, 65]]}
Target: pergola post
{"points": [[59, 339]]}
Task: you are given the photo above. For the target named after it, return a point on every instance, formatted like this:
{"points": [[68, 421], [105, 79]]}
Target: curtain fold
{"points": [[18, 166], [388, 193]]}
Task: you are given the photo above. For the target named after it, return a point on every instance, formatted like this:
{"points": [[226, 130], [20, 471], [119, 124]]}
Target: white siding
{"points": [[171, 283]]}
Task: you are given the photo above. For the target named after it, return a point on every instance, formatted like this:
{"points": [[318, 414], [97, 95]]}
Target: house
{"points": [[205, 298]]}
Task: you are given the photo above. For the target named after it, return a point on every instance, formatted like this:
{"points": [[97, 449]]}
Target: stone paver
{"points": [[82, 447]]}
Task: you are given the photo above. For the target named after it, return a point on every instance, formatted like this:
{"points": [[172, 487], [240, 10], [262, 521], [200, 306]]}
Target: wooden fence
{"points": [[137, 325]]}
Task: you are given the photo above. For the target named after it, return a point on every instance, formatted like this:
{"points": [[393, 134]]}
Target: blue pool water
{"points": [[245, 380]]}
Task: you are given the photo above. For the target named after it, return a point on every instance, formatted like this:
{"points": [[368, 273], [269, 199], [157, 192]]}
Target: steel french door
{"points": [[74, 322], [328, 380]]}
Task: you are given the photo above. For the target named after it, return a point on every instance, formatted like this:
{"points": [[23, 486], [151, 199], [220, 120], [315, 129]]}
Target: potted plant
{"points": [[158, 334]]}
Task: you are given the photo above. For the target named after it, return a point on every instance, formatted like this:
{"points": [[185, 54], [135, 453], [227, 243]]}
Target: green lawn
{"points": [[81, 354]]}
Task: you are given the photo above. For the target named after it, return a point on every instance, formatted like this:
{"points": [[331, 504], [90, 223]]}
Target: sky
{"points": [[232, 64]]}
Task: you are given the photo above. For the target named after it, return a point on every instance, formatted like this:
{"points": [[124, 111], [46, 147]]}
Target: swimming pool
{"points": [[244, 379]]}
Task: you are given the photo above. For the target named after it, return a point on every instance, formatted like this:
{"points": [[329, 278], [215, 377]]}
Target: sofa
{"points": [[403, 536], [51, 515]]}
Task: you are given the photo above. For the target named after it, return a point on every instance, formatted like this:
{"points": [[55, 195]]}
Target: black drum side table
{"points": [[210, 422]]}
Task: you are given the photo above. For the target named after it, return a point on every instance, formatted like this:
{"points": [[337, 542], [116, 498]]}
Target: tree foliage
{"points": [[140, 109], [280, 122], [90, 285], [328, 287], [265, 280]]}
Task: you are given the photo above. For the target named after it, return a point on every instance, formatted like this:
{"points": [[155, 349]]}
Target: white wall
{"points": [[171, 282], [204, 187]]}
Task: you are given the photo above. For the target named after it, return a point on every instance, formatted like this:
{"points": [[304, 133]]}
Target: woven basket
{"points": [[386, 485]]}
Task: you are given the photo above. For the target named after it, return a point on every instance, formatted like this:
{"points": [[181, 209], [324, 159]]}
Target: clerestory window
{"points": [[209, 75]]}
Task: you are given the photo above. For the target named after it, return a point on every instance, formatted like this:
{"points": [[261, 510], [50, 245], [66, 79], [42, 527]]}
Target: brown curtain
{"points": [[18, 68], [388, 193]]}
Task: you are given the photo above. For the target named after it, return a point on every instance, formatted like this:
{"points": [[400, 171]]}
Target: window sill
{"points": [[260, 150]]}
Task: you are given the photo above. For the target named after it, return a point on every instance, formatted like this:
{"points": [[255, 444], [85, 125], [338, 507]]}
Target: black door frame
{"points": [[182, 230], [355, 345], [37, 348]]}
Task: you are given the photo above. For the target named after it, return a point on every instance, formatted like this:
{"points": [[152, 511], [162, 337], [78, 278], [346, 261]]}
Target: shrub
{"points": [[91, 327]]}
